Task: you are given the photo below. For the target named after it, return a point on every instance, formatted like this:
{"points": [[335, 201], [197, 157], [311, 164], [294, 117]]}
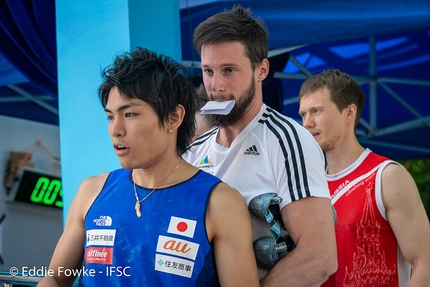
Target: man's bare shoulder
{"points": [[394, 169], [87, 193], [225, 204], [224, 194], [94, 182], [398, 187], [396, 175]]}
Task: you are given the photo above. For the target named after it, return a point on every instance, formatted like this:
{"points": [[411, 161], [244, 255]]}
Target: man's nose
{"points": [[308, 122], [117, 128], [218, 84]]}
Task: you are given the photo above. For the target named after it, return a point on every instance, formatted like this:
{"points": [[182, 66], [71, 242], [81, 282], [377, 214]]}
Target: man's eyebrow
{"points": [[222, 65], [123, 107]]}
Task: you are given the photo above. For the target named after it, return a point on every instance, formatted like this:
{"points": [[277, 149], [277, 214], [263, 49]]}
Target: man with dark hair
{"points": [[382, 228], [157, 221], [268, 157]]}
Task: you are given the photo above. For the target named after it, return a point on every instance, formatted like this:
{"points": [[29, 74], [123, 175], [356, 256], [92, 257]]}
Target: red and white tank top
{"points": [[367, 249]]}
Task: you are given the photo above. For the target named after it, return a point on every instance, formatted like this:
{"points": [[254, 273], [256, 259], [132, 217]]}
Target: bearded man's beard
{"points": [[240, 108]]}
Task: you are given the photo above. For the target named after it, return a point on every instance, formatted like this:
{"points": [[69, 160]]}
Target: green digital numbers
{"points": [[48, 192]]}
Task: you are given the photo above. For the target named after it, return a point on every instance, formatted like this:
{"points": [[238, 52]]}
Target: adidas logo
{"points": [[252, 151]]}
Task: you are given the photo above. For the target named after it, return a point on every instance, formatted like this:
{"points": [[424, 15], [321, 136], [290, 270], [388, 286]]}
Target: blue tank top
{"points": [[166, 246]]}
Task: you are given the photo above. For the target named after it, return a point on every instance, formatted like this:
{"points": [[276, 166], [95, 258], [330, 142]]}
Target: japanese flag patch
{"points": [[182, 226]]}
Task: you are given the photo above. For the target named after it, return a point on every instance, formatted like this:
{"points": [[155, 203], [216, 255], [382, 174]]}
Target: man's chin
{"points": [[224, 121]]}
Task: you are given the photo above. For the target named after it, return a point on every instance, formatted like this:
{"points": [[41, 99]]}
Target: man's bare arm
{"points": [[229, 225], [311, 226], [69, 252], [409, 221]]}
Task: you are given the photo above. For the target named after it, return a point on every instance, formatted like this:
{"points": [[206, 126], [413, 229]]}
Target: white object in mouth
{"points": [[217, 108]]}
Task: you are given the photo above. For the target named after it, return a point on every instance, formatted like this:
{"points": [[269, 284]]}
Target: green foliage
{"points": [[420, 171]]}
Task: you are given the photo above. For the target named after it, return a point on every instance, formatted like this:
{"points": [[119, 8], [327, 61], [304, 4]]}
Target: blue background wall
{"points": [[89, 35]]}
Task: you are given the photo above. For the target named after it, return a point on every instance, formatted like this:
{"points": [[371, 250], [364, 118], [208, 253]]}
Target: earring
{"points": [[170, 131]]}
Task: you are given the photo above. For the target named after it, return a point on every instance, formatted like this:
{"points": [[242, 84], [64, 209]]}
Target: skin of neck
{"points": [[155, 175], [343, 155]]}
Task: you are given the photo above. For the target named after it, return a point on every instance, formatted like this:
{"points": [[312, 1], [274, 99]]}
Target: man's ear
{"points": [[176, 118], [263, 69], [351, 112]]}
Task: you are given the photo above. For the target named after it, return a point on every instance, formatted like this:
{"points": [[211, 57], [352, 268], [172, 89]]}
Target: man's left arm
{"points": [[408, 219], [310, 223]]}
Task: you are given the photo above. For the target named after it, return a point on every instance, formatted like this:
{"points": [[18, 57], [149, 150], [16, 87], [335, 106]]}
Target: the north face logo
{"points": [[252, 151], [104, 220]]}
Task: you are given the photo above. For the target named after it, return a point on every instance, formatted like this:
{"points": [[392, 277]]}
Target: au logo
{"points": [[178, 247]]}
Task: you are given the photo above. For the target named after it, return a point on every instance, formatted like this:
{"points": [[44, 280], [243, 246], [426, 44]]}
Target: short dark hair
{"points": [[344, 90], [158, 80], [235, 25]]}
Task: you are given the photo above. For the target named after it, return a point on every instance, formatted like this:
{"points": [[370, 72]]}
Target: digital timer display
{"points": [[40, 188]]}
